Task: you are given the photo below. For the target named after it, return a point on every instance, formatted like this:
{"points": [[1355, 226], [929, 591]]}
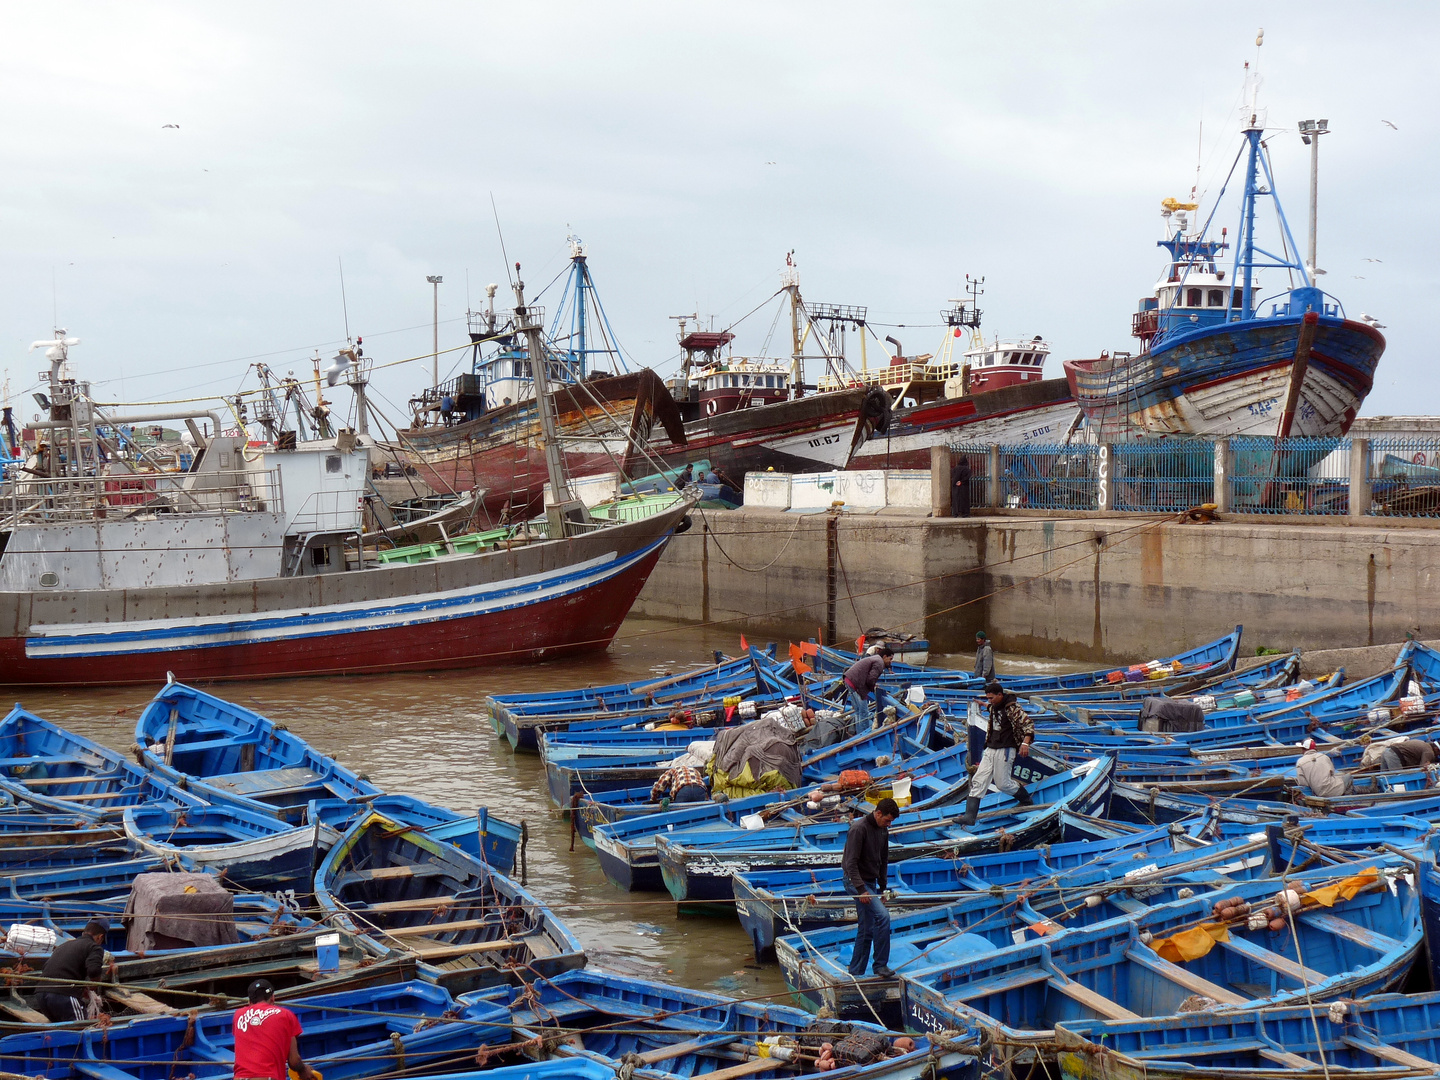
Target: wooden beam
{"points": [[1187, 980], [440, 928], [1274, 961], [1392, 1054], [746, 1068], [1096, 1003], [135, 1000]]}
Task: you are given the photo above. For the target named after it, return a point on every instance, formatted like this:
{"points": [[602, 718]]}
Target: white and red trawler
{"points": [[250, 564]]}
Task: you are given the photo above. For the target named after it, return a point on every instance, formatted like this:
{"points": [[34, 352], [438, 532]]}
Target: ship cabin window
{"points": [[1216, 298], [745, 379], [1237, 297], [1192, 297]]}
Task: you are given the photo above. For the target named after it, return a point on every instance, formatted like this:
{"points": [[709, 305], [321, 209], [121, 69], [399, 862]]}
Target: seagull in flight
{"points": [[1374, 260], [164, 126], [1389, 125]]}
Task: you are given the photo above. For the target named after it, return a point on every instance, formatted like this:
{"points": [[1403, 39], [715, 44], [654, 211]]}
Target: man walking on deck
{"points": [[865, 866], [1009, 733], [984, 657], [861, 678]]}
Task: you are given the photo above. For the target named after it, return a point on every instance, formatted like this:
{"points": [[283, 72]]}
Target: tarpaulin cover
{"points": [[1168, 714], [178, 911], [758, 748]]}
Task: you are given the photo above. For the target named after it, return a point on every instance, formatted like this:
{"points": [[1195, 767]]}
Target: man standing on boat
{"points": [[861, 678], [865, 866], [265, 1038], [1009, 733], [73, 963], [984, 657]]}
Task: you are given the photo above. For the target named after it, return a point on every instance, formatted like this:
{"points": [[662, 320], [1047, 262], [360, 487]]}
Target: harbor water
{"points": [[428, 735]]}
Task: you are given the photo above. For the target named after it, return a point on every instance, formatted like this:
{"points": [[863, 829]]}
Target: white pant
{"points": [[994, 769]]}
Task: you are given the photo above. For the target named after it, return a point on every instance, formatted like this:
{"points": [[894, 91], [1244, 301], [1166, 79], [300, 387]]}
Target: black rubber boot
{"points": [[972, 811], [1022, 796]]}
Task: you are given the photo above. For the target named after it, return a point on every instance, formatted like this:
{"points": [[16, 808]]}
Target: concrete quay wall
{"points": [[1095, 588]]}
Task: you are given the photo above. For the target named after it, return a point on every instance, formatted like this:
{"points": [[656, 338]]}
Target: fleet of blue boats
{"points": [[389, 925], [1174, 899], [1171, 900]]}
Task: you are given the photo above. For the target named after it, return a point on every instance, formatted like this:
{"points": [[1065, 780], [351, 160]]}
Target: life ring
{"points": [[712, 407]]}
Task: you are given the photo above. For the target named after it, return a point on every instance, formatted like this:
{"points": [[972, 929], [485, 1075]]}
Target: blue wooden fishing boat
{"points": [[815, 962], [349, 1035], [698, 867], [1380, 1038], [669, 1032], [254, 850], [1365, 944], [772, 903], [229, 753], [573, 771], [469, 925], [94, 881], [257, 918], [51, 771], [626, 847], [933, 779]]}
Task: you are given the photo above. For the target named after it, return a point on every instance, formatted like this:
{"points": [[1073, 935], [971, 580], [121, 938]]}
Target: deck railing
{"points": [[32, 500]]}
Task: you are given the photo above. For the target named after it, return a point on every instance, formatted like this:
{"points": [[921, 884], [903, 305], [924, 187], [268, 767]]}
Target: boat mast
{"points": [[582, 282], [549, 440], [1310, 132], [790, 282]]}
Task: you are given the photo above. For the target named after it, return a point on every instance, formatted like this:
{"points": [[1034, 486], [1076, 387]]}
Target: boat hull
{"points": [[602, 424], [1038, 412], [505, 607], [1231, 379]]}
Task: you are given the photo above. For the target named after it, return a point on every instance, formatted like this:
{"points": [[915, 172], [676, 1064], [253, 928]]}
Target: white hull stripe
{"points": [[164, 635]]}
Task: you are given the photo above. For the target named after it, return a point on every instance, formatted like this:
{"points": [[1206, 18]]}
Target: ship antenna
{"points": [[503, 254], [344, 305]]}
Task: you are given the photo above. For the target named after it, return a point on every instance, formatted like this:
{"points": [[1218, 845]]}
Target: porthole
{"points": [[49, 579]]}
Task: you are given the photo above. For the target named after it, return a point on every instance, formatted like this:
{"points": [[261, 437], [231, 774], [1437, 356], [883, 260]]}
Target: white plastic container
{"points": [[753, 822]]}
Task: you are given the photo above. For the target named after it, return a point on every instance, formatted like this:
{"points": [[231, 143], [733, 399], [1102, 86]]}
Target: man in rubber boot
{"points": [[1009, 733], [865, 866]]}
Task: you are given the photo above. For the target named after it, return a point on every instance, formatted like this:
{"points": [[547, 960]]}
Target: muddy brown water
{"points": [[427, 735]]}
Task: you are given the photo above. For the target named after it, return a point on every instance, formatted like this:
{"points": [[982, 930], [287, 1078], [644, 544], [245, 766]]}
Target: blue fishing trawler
{"points": [[1217, 356]]}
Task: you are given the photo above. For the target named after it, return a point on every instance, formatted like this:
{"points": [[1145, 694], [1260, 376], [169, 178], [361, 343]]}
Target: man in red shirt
{"points": [[265, 1038]]}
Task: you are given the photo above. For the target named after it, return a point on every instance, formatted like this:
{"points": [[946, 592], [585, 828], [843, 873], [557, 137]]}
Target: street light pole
{"points": [[1310, 132], [435, 280]]}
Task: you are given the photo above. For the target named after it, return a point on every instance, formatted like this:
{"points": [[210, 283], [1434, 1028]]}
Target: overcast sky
{"points": [[894, 147]]}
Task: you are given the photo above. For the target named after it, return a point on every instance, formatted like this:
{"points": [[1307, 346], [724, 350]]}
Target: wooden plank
{"points": [[170, 735], [430, 950], [12, 1006], [1187, 980], [1294, 1061], [416, 905], [746, 1068], [666, 1053], [997, 984], [1333, 924], [1274, 961], [440, 928], [1392, 1054], [1096, 1003], [135, 1000], [45, 781]]}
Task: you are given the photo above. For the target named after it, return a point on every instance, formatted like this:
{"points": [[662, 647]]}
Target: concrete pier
{"points": [[1094, 587]]}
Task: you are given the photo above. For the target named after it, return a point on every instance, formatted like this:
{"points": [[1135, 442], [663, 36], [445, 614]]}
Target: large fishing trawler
{"points": [[1218, 356], [250, 562]]}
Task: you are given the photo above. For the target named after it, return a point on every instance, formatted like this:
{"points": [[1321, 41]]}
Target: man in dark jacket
{"points": [[984, 657], [960, 487], [861, 678], [73, 963], [1409, 754], [865, 866], [1008, 734]]}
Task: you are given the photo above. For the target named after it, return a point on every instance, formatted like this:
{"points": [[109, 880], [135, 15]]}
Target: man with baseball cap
{"points": [[265, 1038], [74, 963]]}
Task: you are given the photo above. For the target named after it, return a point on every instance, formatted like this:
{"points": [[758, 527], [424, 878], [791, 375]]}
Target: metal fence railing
{"points": [[1164, 476], [1049, 477], [979, 458], [1404, 476], [1289, 476], [1394, 476]]}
